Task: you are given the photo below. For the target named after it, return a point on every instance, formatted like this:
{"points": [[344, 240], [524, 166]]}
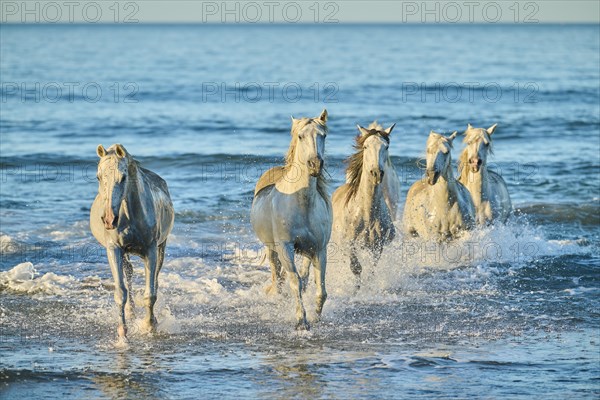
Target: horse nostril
{"points": [[382, 172], [479, 162]]}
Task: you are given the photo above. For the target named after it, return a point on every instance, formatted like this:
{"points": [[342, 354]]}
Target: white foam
{"points": [[8, 245], [195, 293], [24, 278]]}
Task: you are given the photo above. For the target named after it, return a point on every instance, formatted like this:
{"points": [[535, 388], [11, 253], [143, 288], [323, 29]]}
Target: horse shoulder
{"points": [[391, 188], [416, 190], [96, 225], [412, 208], [466, 204]]}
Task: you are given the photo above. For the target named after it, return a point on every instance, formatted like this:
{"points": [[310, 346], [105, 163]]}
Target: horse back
{"points": [[497, 181], [465, 202], [500, 191], [161, 203], [155, 181]]}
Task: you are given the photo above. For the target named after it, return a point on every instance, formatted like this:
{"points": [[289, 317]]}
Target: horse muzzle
{"points": [[475, 164], [315, 166], [377, 175], [432, 176], [110, 221]]}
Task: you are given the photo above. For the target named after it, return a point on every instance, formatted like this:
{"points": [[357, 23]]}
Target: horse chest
{"points": [[445, 220], [373, 232]]}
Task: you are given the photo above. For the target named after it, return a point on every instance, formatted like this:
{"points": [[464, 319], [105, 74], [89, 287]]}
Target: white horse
{"points": [[132, 214], [439, 208], [364, 208], [390, 183], [488, 189], [291, 212]]}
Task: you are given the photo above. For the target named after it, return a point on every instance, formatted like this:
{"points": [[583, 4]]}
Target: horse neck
{"points": [[297, 178], [445, 189], [133, 189], [370, 196], [477, 183]]}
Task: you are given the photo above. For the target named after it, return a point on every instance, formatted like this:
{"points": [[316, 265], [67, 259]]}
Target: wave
{"points": [[585, 214], [23, 279]]}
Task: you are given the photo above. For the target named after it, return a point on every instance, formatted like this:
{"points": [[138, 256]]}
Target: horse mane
{"points": [[111, 154], [135, 170], [463, 161], [289, 157], [375, 125], [355, 161]]}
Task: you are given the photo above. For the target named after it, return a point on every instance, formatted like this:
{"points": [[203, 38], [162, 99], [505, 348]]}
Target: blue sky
{"points": [[301, 11]]}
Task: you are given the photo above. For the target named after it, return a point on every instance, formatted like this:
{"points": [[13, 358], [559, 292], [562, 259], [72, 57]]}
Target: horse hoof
{"points": [[302, 326], [150, 326], [122, 332], [272, 290], [130, 312]]}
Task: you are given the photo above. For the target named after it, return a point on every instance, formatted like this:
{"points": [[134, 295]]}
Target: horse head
{"points": [[374, 143], [113, 174], [438, 156], [308, 143], [479, 145]]}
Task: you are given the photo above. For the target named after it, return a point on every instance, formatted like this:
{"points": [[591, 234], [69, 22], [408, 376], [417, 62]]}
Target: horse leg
{"points": [[276, 273], [115, 260], [320, 265], [355, 266], [305, 272], [151, 265], [375, 256], [287, 261], [160, 261], [128, 269]]}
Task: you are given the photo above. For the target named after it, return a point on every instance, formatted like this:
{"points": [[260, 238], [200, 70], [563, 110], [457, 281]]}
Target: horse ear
{"points": [[469, 127], [323, 116], [451, 137], [390, 129], [101, 151], [362, 130], [491, 129], [120, 150]]}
